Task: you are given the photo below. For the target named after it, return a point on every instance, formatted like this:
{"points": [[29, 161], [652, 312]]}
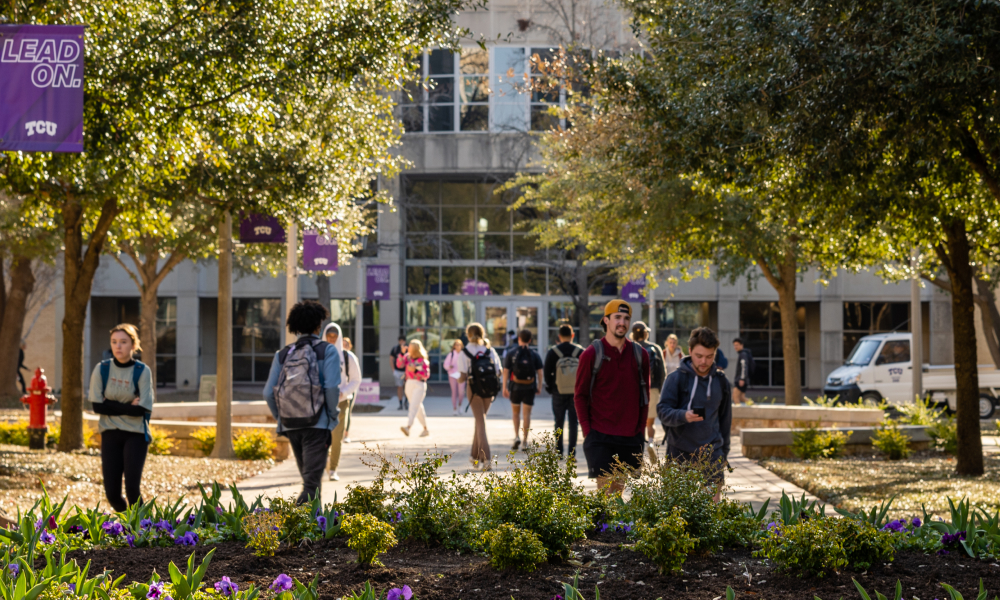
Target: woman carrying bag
{"points": [[454, 374], [121, 390], [418, 371]]}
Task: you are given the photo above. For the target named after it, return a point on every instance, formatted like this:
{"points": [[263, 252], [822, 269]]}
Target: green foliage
{"points": [[15, 433], [921, 412], [509, 546], [297, 520], [367, 500], [792, 510], [742, 526], [160, 444], [204, 440], [944, 435], [666, 543], [891, 441], [369, 537], [818, 547], [263, 529], [812, 443], [255, 444]]}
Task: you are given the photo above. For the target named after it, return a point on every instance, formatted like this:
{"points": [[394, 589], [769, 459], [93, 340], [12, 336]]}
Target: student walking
{"points": [[696, 408], [398, 358], [121, 390], [350, 381], [672, 355], [612, 397], [657, 373], [454, 374], [561, 364], [303, 394], [522, 379], [481, 369], [349, 346], [418, 371], [744, 369]]}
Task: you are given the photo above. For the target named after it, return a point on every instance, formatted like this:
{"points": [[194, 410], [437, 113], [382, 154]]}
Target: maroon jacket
{"points": [[616, 407]]}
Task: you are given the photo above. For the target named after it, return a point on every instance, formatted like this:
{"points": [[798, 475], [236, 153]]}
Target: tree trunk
{"points": [[147, 328], [22, 282], [963, 320], [990, 318], [784, 282], [323, 292], [78, 278]]}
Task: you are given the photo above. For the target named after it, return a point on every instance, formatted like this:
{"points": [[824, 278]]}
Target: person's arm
{"points": [[462, 364], [95, 395], [272, 380], [503, 381], [119, 409], [646, 363], [146, 392], [726, 417], [331, 384], [581, 394], [353, 376], [669, 408], [550, 371]]}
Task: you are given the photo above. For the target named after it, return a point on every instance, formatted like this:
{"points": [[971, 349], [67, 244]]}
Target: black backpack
{"points": [[523, 371], [483, 379], [657, 369]]}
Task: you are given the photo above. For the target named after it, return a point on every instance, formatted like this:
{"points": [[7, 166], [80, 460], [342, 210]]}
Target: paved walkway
{"points": [[452, 435]]}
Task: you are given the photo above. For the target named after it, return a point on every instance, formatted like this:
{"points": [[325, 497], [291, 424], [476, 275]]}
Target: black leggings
{"points": [[122, 453]]}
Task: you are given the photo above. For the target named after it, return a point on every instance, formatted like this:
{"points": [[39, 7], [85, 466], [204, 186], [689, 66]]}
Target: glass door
{"points": [[503, 320]]}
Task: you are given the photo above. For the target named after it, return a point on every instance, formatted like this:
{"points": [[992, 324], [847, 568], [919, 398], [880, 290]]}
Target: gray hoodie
{"points": [[674, 401]]}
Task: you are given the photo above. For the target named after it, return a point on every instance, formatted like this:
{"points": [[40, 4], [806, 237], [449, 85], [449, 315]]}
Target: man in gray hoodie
{"points": [[696, 408]]}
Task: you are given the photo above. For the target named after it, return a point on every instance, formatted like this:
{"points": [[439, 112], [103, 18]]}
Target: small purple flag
{"points": [[261, 229], [41, 88], [635, 291], [319, 252], [472, 287], [377, 282]]}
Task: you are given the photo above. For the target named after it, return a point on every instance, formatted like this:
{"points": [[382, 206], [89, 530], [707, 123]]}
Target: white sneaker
{"points": [[334, 476], [424, 433], [454, 414], [405, 430], [347, 440]]}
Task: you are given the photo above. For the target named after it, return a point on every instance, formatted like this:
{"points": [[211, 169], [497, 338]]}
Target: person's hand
{"points": [[506, 393], [135, 402], [692, 417], [539, 389], [740, 382]]}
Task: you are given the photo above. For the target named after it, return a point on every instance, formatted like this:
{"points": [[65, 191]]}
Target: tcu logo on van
{"points": [[262, 230], [40, 127], [896, 373]]}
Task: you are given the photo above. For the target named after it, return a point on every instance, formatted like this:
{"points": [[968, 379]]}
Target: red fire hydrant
{"points": [[38, 398]]}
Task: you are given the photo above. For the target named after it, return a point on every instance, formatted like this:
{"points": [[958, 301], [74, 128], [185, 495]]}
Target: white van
{"points": [[880, 367]]}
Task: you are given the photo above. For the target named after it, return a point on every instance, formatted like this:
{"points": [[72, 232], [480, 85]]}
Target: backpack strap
{"points": [[577, 351], [557, 351], [637, 351], [105, 374], [136, 374], [598, 347]]}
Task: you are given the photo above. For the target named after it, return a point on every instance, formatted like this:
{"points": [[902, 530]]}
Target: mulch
{"points": [[439, 574]]}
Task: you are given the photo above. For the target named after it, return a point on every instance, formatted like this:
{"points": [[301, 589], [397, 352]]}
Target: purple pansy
{"points": [[191, 519], [156, 591], [188, 539], [282, 583], [164, 526], [321, 521], [226, 587], [917, 522], [404, 593], [112, 528], [897, 526], [47, 538], [218, 510], [951, 539], [39, 524], [130, 540], [76, 529], [13, 570], [145, 523]]}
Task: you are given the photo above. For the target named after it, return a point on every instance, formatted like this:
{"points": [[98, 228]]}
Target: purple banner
{"points": [[319, 252], [472, 287], [377, 282], [261, 229], [41, 88], [635, 291]]}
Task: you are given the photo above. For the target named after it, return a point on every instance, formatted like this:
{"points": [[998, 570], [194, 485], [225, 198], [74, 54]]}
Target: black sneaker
{"points": [[517, 444]]}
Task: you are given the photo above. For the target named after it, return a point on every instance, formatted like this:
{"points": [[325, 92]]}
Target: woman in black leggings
{"points": [[121, 389]]}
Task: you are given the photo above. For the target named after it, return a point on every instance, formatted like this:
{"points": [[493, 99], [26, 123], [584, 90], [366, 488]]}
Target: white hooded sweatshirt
{"points": [[350, 370]]}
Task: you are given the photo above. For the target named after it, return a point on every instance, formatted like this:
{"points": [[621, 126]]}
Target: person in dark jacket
{"points": [[744, 363], [696, 408], [562, 403], [22, 367], [657, 374]]}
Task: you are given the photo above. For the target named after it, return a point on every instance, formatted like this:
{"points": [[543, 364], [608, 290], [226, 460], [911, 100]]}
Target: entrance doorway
{"points": [[501, 317]]}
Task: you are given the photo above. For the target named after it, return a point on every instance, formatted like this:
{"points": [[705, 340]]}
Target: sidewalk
{"points": [[453, 435]]}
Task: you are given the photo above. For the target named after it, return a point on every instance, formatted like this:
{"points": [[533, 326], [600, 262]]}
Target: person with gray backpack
{"points": [[302, 391], [561, 364]]}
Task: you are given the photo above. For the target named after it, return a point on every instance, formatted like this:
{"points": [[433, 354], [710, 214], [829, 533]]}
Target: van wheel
{"points": [[987, 406], [871, 397]]}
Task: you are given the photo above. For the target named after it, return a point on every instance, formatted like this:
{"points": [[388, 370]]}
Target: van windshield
{"points": [[863, 353]]}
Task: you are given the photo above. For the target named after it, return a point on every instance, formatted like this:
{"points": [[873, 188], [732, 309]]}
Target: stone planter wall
{"points": [[763, 416], [764, 443]]}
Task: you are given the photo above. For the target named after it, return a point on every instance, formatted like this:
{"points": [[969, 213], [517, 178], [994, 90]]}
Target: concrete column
{"points": [[729, 326], [188, 326], [940, 335], [291, 275], [390, 239], [831, 331]]}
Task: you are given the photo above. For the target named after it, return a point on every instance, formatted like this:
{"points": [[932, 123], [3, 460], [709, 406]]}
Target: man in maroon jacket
{"points": [[612, 397]]}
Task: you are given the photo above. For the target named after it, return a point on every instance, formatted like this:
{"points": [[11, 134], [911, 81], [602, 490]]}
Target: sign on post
{"points": [[377, 282], [319, 252], [41, 88], [261, 229], [635, 291]]}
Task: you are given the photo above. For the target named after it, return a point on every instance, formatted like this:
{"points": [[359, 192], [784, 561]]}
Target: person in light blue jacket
{"points": [[309, 434]]}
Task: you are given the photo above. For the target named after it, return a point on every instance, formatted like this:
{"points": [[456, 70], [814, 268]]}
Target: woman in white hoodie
{"points": [[350, 381]]}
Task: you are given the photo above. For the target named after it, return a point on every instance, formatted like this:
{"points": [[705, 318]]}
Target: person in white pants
{"points": [[350, 381], [418, 371]]}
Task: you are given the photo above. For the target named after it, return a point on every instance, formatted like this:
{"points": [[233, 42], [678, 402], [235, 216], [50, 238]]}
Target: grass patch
{"points": [[926, 478]]}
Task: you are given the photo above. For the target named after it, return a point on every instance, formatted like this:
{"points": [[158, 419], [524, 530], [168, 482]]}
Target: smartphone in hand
{"points": [[699, 411]]}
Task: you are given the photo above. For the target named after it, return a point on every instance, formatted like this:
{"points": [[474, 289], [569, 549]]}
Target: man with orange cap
{"points": [[612, 397]]}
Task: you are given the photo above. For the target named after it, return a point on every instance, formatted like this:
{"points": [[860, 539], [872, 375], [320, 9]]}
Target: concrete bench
{"points": [[244, 411], [777, 442], [769, 416]]}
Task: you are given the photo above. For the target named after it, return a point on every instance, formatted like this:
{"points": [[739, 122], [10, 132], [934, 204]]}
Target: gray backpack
{"points": [[566, 368], [299, 393]]}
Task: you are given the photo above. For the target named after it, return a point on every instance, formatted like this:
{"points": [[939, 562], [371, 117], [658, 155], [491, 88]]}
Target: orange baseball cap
{"points": [[617, 306]]}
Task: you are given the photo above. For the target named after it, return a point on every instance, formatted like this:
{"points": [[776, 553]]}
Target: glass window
{"points": [[452, 279], [474, 90], [867, 318], [457, 192], [457, 247], [458, 218], [422, 280], [498, 279], [496, 247], [543, 96], [894, 352], [437, 325], [529, 281], [760, 328], [510, 101], [166, 341], [679, 318], [343, 312], [257, 329], [412, 99], [422, 246]]}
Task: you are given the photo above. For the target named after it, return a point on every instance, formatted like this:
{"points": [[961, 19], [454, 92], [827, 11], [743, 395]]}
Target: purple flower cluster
{"points": [[164, 526], [156, 592], [145, 523], [218, 510], [900, 525], [282, 583], [226, 587], [396, 518], [404, 593], [952, 539], [619, 526], [188, 539], [112, 528], [13, 570], [47, 538], [191, 520], [321, 521]]}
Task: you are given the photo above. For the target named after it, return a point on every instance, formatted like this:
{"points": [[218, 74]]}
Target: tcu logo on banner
{"points": [[261, 229], [319, 252], [377, 282], [41, 88]]}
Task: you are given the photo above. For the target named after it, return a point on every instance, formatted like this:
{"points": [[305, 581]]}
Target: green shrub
{"points": [[512, 547], [161, 444], [811, 443], [369, 537], [14, 433], [296, 519], [741, 525], [366, 500], [817, 547], [682, 485], [256, 444], [921, 412], [891, 441], [667, 543], [944, 435], [204, 440], [263, 530]]}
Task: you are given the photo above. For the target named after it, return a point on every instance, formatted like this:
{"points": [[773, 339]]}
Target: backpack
{"points": [[483, 379], [657, 368], [598, 347], [299, 393], [751, 365], [523, 371], [136, 373], [566, 368]]}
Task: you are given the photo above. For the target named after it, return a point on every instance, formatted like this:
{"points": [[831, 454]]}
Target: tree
{"points": [[171, 86]]}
